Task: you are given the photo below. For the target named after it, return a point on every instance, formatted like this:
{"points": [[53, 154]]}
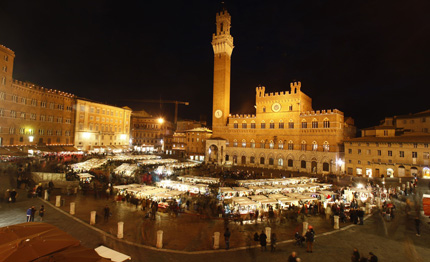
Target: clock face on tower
{"points": [[276, 107], [218, 113]]}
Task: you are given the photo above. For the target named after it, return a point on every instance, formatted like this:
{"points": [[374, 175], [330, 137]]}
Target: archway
{"points": [[414, 171], [314, 166], [235, 160], [213, 154], [401, 171], [243, 160]]}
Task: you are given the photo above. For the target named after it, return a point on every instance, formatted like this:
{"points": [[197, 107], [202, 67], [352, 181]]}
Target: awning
{"points": [[111, 254], [70, 148]]}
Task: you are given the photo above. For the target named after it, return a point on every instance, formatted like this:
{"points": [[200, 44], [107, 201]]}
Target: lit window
{"points": [[326, 123], [314, 123]]}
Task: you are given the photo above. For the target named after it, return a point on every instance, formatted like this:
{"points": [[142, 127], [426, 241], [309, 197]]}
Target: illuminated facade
{"points": [[196, 143], [176, 144], [101, 127], [32, 115], [284, 133], [399, 147], [149, 130]]}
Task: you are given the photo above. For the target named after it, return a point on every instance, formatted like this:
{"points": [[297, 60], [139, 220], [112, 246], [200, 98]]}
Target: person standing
{"points": [[417, 225], [13, 195], [227, 235], [29, 214], [309, 240], [355, 256], [106, 213], [41, 212], [273, 242], [372, 257], [33, 212], [292, 257], [263, 241]]}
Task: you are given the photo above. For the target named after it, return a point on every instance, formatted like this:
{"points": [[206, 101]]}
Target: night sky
{"points": [[369, 59]]}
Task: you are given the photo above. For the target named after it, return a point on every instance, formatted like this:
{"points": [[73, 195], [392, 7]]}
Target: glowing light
{"points": [[360, 186], [160, 120], [339, 162], [31, 138], [123, 136], [86, 135]]}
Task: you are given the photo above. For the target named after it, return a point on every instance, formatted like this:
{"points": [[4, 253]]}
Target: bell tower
{"points": [[222, 43]]}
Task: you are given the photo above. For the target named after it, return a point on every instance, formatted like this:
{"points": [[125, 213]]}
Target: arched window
{"points": [[291, 124], [326, 146], [271, 161], [252, 160], [314, 146], [271, 145], [262, 160], [252, 124], [252, 143], [280, 144], [280, 162], [272, 124], [243, 143], [290, 145], [314, 123], [304, 124], [303, 164], [290, 108], [264, 109], [235, 125], [326, 123], [244, 126], [262, 144], [290, 162], [235, 143], [326, 167], [303, 145], [263, 125], [281, 124]]}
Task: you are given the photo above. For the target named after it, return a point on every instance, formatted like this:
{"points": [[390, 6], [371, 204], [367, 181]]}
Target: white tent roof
{"points": [[111, 254]]}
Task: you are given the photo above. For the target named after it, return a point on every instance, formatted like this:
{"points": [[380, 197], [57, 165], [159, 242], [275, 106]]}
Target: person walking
{"points": [[41, 212], [29, 214], [273, 242], [263, 241], [309, 240], [106, 211], [417, 225], [227, 235]]}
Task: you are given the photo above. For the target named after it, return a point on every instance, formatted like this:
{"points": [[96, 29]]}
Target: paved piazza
{"points": [[188, 237]]}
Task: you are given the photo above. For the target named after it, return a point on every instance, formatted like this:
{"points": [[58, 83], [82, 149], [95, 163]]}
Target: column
{"points": [[216, 240], [159, 239], [93, 218], [58, 201], [120, 230], [305, 227], [268, 234], [336, 222], [72, 208]]}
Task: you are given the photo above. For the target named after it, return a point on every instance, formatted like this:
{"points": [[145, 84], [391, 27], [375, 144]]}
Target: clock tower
{"points": [[222, 43]]}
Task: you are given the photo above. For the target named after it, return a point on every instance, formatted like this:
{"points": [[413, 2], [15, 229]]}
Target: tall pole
{"points": [[176, 112]]}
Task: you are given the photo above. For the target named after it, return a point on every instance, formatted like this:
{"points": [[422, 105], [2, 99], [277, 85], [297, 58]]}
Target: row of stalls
{"points": [[199, 179], [88, 165], [191, 188], [277, 181], [142, 192]]}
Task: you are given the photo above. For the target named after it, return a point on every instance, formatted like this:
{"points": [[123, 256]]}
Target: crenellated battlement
{"points": [[242, 116], [321, 112], [41, 88]]}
